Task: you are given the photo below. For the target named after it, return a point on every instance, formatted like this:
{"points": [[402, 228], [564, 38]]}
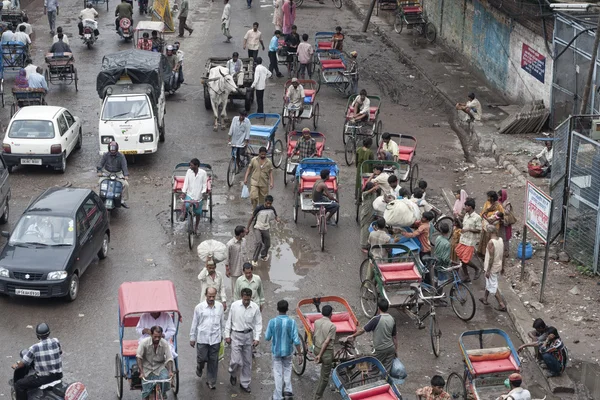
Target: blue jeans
{"points": [[147, 387], [554, 365], [332, 208], [282, 374]]}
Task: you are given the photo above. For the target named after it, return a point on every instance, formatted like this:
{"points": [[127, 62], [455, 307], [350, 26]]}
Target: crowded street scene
{"points": [[256, 200]]}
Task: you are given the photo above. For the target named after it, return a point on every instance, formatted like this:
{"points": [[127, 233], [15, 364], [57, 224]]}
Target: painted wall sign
{"points": [[533, 62]]}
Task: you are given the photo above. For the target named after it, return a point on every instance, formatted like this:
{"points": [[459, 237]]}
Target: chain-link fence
{"points": [[558, 178]]}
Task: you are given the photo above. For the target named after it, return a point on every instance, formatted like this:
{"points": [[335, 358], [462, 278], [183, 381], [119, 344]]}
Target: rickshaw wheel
{"points": [[173, 203], [344, 139], [76, 79], [175, 387], [357, 211], [2, 95], [455, 387], [413, 177], [364, 268], [436, 334], [398, 23], [368, 298], [277, 154], [283, 118], [296, 202], [430, 32], [350, 151], [337, 216], [285, 171], [299, 368], [316, 116], [119, 375], [47, 75], [210, 216], [231, 172], [377, 132]]}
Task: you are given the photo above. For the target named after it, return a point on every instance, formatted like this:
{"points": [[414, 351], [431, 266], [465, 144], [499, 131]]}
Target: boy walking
{"points": [[273, 47], [305, 53], [262, 217]]}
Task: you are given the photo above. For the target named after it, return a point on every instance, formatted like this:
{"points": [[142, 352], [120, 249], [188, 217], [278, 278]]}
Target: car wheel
{"points": [[5, 214], [63, 164], [73, 288], [79, 140], [103, 252]]}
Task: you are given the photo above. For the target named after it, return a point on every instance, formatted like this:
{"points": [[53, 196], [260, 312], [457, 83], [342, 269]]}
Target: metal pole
{"points": [[588, 83], [547, 249], [523, 244], [368, 17]]}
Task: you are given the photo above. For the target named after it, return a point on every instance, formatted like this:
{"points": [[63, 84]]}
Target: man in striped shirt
{"points": [[283, 332]]}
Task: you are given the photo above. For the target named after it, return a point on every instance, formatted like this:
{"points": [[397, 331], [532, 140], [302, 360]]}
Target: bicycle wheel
{"points": [[344, 130], [436, 333], [322, 230], [398, 23], [350, 151], [231, 172], [462, 301], [277, 154], [210, 207], [377, 131], [455, 387], [316, 116], [191, 230], [368, 298], [430, 32], [173, 205], [445, 220], [296, 202], [413, 177], [285, 170], [337, 4], [364, 269], [119, 375], [299, 368]]}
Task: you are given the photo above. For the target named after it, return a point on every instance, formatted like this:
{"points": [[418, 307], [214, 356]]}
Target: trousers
{"points": [[31, 382], [253, 54], [257, 195], [241, 357], [263, 243], [282, 373], [273, 63], [326, 366], [183, 26], [260, 94], [52, 20], [208, 354]]}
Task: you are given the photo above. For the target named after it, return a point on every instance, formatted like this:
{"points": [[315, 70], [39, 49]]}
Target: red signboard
{"points": [[533, 62]]}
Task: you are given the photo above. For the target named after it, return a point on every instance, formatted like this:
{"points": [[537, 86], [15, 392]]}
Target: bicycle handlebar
{"points": [[423, 297], [158, 380]]}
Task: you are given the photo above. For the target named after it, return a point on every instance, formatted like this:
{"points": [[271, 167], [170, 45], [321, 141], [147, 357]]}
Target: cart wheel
{"points": [[322, 231], [430, 32], [173, 210], [455, 387], [210, 208], [398, 23], [13, 109], [436, 334], [344, 129], [191, 230], [231, 172], [364, 269], [413, 177], [175, 387], [299, 368], [285, 173], [462, 301], [296, 202], [337, 4], [316, 116], [368, 298], [350, 151], [119, 375], [47, 75], [377, 132], [76, 79], [207, 103], [277, 154]]}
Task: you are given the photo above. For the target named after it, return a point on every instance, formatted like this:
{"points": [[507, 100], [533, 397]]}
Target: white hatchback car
{"points": [[41, 135]]}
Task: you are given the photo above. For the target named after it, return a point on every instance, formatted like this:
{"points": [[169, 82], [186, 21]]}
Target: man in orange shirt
{"points": [[422, 233]]}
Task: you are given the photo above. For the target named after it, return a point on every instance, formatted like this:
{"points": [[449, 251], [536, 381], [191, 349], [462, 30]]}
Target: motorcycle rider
{"points": [[46, 359], [123, 10], [114, 162], [91, 14], [174, 64], [179, 55]]}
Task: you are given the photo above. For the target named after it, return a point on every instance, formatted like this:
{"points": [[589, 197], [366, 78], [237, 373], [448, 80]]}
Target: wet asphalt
{"points": [[144, 245]]}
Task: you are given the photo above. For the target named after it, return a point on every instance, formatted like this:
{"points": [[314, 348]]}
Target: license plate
{"points": [[129, 151], [87, 36], [31, 161], [26, 292]]}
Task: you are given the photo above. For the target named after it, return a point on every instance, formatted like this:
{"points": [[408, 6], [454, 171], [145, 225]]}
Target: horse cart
{"points": [[244, 92]]}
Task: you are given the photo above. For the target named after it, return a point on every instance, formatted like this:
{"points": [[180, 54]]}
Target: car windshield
{"points": [[43, 230], [31, 129], [126, 108]]}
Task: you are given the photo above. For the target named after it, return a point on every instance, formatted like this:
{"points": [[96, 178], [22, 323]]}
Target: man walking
{"points": [[261, 179], [261, 74], [324, 337], [183, 14], [242, 332], [236, 256], [206, 335], [209, 277], [305, 55], [51, 9], [273, 47], [262, 217], [284, 333], [493, 266], [383, 326], [252, 39], [465, 249], [253, 282], [225, 20]]}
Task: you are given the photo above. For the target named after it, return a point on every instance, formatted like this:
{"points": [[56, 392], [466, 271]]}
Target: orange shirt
{"points": [[422, 233]]}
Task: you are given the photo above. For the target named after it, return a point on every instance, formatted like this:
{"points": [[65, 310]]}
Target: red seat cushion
{"points": [[307, 183], [343, 322], [383, 392], [399, 272], [372, 113], [406, 153], [178, 183], [292, 145], [412, 10], [325, 45], [494, 366], [310, 93], [333, 64], [130, 347]]}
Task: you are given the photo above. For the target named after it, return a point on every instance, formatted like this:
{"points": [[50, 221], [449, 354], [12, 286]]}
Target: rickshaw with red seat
{"points": [[135, 299], [345, 323], [291, 159], [407, 149], [489, 359], [333, 69], [364, 378], [289, 116], [354, 132], [177, 180]]}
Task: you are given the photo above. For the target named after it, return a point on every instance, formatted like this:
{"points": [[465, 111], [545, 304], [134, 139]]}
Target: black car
{"points": [[56, 239]]}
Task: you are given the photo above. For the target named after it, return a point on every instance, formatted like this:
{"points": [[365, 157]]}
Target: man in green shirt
{"points": [[441, 251], [323, 338], [124, 10], [250, 281]]}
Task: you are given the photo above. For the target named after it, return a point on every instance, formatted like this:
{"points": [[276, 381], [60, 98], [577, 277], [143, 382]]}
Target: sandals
{"points": [[484, 302], [501, 309]]}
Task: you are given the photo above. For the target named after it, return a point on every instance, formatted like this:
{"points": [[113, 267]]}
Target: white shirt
{"points": [[226, 16], [234, 66], [7, 36], [7, 5], [28, 27], [88, 13], [364, 107], [194, 185], [243, 318], [475, 105], [180, 55], [164, 320], [395, 192], [65, 39], [296, 95], [253, 39], [261, 73], [30, 69], [207, 281], [207, 324], [517, 394], [547, 154], [21, 37]]}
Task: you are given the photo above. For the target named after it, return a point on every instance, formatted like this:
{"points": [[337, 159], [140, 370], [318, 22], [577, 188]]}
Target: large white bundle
{"points": [[399, 213], [379, 205]]}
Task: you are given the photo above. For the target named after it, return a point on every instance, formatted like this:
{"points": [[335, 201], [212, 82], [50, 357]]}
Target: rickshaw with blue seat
{"points": [[291, 159], [310, 110], [262, 134], [14, 55]]}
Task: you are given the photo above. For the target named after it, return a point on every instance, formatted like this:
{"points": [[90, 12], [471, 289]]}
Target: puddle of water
{"points": [[282, 269], [588, 374]]}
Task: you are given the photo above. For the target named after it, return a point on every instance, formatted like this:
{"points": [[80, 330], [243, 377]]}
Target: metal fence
{"points": [[558, 178]]}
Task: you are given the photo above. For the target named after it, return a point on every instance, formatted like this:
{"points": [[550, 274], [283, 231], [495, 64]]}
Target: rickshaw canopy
{"points": [[150, 26], [146, 297]]}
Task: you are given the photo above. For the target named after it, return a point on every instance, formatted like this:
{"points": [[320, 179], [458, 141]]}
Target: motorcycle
{"points": [[125, 30], [89, 32], [57, 390], [143, 4], [111, 190]]}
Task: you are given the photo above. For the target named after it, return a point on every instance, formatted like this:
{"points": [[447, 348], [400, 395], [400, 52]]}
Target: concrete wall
{"points": [[492, 43]]}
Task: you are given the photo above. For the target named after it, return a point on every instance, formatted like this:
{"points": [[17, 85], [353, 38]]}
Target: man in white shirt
{"points": [[545, 157], [225, 20], [206, 335], [295, 96], [65, 38], [209, 277], [472, 108], [27, 25], [237, 255], [30, 68], [388, 149], [162, 319], [361, 106], [239, 136], [380, 179], [90, 14], [252, 39], [261, 74], [235, 67], [242, 332], [21, 36], [517, 392], [7, 35], [194, 190]]}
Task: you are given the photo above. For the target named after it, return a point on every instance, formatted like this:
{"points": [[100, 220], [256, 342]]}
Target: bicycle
{"points": [[351, 133], [412, 306], [236, 165], [157, 389], [191, 213], [322, 220], [293, 116]]}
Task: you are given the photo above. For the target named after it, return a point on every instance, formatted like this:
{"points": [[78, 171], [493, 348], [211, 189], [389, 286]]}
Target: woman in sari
{"points": [[461, 196], [505, 231], [21, 80], [492, 213], [277, 14], [366, 213], [289, 15]]}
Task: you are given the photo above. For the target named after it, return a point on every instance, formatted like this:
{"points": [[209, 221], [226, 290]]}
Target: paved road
{"points": [[144, 245]]}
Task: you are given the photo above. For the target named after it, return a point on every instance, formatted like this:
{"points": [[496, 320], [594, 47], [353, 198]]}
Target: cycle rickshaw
{"points": [[364, 378], [27, 97], [14, 55], [310, 110], [60, 67], [412, 14], [354, 132], [291, 159], [334, 70], [135, 299]]}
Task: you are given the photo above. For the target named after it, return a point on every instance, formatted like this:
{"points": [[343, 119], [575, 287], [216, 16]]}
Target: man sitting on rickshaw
{"points": [[435, 391], [60, 46], [388, 149], [155, 362], [320, 194], [145, 43], [162, 319], [158, 44], [361, 106], [306, 146], [294, 97]]}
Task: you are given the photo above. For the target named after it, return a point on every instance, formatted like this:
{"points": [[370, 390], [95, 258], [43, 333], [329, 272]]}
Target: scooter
{"points": [[89, 33], [111, 190], [143, 4], [125, 30]]}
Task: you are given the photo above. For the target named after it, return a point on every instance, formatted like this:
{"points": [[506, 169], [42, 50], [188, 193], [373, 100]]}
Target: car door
{"points": [[83, 235], [72, 132], [93, 214], [63, 130]]}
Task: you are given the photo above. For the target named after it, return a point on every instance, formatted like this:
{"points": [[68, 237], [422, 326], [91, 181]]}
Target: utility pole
{"points": [[588, 83], [368, 18]]}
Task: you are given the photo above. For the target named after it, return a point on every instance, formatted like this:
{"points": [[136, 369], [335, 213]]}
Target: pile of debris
{"points": [[531, 119]]}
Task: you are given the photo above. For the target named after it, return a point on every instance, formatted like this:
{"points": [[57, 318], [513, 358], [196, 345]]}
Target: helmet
{"points": [[354, 54], [113, 147], [42, 330], [169, 48]]}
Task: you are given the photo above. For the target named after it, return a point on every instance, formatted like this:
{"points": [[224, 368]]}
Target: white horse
{"points": [[220, 84]]}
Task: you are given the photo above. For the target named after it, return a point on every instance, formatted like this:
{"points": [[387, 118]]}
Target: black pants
{"points": [[253, 54], [273, 63], [24, 382], [259, 101]]}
